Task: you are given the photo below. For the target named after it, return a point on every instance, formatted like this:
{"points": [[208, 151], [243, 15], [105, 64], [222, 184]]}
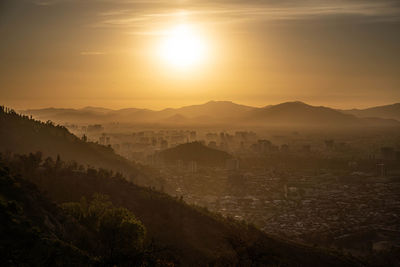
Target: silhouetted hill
{"points": [[176, 232], [226, 113], [21, 134], [386, 112], [195, 151], [176, 119], [301, 114], [212, 109], [96, 109], [87, 114]]}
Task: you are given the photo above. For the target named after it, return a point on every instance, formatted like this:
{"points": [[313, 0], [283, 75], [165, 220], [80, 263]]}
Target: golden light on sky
{"points": [[183, 47], [156, 54]]}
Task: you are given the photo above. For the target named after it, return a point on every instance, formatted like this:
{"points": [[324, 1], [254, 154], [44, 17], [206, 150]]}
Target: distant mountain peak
{"points": [[224, 112], [220, 102], [92, 107], [391, 111], [292, 105], [176, 118], [298, 103], [95, 109]]}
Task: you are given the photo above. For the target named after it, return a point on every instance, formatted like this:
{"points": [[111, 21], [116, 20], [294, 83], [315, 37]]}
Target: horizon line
{"points": [[199, 104]]}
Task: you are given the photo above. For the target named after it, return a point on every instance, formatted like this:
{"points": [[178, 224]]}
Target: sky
{"points": [[72, 53]]}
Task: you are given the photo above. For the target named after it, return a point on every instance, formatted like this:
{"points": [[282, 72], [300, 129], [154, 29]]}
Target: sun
{"points": [[183, 47]]}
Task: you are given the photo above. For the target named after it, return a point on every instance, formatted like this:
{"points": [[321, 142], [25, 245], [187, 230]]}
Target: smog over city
{"points": [[199, 133]]}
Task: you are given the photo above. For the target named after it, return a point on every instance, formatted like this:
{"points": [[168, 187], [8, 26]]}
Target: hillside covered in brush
{"points": [[36, 232], [162, 230]]}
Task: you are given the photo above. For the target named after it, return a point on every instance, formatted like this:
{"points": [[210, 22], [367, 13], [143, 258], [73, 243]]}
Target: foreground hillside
{"points": [[33, 229], [36, 232], [177, 233]]}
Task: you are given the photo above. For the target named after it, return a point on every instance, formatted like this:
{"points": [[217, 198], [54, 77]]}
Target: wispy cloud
{"points": [[235, 11], [142, 16], [111, 13], [91, 53], [49, 2]]}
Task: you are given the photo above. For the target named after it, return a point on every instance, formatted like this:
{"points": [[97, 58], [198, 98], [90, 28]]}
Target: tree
{"points": [[121, 235]]}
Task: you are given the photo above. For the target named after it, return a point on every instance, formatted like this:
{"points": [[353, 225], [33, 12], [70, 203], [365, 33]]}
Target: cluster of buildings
{"points": [[321, 209], [317, 207]]}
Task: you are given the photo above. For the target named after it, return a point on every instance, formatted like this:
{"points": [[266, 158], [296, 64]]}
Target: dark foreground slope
{"points": [[33, 230], [176, 232], [36, 232]]}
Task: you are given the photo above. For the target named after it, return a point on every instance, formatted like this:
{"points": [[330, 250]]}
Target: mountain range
{"points": [[386, 112], [229, 113]]}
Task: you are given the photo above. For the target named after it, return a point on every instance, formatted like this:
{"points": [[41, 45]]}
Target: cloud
{"points": [[91, 53], [49, 2], [143, 16], [157, 12]]}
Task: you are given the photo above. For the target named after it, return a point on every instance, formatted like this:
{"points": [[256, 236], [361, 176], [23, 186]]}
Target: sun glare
{"points": [[183, 47]]}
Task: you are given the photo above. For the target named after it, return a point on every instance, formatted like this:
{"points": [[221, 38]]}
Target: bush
{"points": [[121, 235]]}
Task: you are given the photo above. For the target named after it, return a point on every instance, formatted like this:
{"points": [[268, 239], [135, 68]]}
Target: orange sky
{"points": [[70, 53]]}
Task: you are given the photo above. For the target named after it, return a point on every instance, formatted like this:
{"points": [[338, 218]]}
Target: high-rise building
{"points": [[387, 153], [164, 144], [381, 169], [193, 166], [193, 136]]}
